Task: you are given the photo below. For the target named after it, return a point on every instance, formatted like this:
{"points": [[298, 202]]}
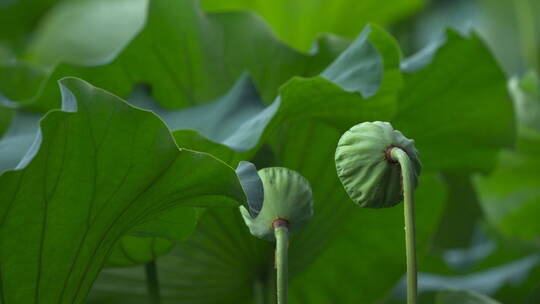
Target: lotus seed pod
{"points": [[287, 196], [368, 174]]}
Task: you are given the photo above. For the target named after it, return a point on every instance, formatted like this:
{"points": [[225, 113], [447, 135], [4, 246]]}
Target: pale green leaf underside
{"points": [[69, 31]]}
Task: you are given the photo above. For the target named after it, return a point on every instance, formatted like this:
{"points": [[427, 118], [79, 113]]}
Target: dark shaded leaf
{"points": [[18, 18], [461, 215], [221, 263], [6, 115]]}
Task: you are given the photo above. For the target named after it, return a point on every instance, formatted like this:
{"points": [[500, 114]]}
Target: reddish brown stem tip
{"points": [[388, 154], [280, 222]]}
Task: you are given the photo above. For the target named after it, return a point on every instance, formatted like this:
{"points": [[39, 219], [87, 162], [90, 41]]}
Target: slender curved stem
{"points": [[402, 158], [281, 233], [152, 282]]}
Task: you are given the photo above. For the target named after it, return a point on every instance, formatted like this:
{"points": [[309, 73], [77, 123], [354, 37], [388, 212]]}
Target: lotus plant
{"points": [[280, 202], [379, 167]]}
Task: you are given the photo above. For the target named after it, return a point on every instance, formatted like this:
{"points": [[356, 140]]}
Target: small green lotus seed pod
{"points": [[287, 197], [365, 167]]}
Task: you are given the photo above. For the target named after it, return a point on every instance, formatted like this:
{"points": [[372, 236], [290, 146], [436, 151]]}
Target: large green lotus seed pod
{"points": [[286, 196], [370, 176]]}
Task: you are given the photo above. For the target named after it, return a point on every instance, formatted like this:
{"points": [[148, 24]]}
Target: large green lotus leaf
{"points": [[510, 196], [299, 22], [469, 125], [458, 111], [98, 169], [159, 234], [244, 94], [189, 57], [457, 107]]}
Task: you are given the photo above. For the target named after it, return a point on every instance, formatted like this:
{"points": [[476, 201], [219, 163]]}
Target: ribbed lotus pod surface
{"points": [[368, 174], [287, 196]]}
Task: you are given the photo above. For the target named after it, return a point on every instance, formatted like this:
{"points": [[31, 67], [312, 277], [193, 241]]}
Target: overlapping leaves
{"points": [[303, 126], [188, 57]]}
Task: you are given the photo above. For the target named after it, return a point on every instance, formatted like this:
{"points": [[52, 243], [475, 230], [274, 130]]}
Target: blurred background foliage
{"points": [[486, 239]]}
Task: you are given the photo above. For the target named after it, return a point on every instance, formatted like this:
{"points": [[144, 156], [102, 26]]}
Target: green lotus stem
{"points": [[281, 231], [152, 282], [402, 158]]}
